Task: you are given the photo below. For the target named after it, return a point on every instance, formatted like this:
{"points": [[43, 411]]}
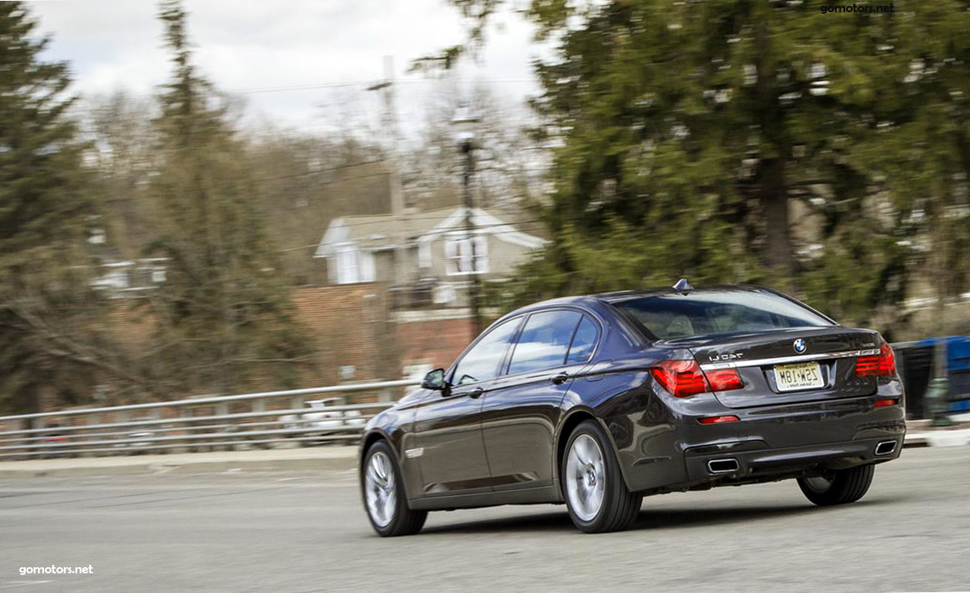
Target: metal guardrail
{"points": [[263, 419]]}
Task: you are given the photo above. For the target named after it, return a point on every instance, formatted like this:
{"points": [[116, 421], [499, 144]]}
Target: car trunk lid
{"points": [[788, 366]]}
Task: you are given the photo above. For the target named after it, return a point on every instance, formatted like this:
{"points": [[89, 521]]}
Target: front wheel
{"points": [[838, 486], [596, 496], [383, 492]]}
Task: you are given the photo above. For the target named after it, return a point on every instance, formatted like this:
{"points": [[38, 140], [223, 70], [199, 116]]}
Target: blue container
{"points": [[957, 368]]}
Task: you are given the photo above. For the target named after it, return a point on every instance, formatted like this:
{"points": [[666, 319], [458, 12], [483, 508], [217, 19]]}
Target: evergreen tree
{"points": [[687, 132], [225, 317], [44, 291]]}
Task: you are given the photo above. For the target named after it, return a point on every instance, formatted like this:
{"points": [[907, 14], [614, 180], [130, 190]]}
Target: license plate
{"points": [[791, 377]]}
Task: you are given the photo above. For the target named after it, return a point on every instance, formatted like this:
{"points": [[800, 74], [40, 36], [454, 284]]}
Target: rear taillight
{"points": [[881, 365], [683, 378], [724, 380], [887, 361]]}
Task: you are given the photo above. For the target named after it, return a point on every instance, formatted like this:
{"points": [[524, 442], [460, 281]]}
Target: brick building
{"points": [[360, 339]]}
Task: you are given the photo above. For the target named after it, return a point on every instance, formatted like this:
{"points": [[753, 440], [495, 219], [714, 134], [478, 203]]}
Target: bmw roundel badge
{"points": [[800, 346]]}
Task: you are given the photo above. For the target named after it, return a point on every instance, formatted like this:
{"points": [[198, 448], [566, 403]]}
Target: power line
{"points": [[363, 84], [326, 170]]}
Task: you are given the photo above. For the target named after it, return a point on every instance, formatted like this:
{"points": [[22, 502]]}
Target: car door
{"points": [[447, 439], [522, 408]]}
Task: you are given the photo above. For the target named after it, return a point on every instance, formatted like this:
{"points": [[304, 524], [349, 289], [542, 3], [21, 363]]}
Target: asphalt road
{"points": [[303, 532]]}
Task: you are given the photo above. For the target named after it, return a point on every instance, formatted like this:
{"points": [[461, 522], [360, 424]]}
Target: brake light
{"points": [[883, 403], [887, 361], [881, 365], [724, 380], [684, 378]]}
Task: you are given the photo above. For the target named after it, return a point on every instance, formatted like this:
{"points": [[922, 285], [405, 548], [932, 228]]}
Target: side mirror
{"points": [[435, 380]]}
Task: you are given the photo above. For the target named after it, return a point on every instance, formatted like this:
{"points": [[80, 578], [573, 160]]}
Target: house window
{"points": [[347, 272], [424, 255], [354, 265], [460, 256]]}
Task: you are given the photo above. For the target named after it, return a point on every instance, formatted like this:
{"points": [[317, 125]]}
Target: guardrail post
{"points": [[258, 407], [26, 425], [90, 420], [123, 417], [185, 412], [222, 410], [297, 403], [36, 423]]}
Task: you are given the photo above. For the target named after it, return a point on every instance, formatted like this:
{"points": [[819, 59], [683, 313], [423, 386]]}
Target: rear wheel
{"points": [[838, 486], [596, 496], [383, 491]]}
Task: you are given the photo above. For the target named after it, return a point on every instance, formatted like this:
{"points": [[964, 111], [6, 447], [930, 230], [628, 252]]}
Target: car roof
{"points": [[596, 301], [586, 301], [625, 295]]}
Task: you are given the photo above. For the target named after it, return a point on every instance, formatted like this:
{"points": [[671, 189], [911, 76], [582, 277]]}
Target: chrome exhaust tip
{"points": [[885, 448], [723, 466]]}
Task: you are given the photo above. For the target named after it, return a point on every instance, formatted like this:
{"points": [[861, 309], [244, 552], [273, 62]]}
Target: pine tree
{"points": [[688, 133], [44, 293], [225, 317]]}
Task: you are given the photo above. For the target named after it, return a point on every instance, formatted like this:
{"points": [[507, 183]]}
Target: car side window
{"points": [[544, 341], [584, 341], [481, 363]]}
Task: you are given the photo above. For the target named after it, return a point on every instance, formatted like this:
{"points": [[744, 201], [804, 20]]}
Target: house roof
{"points": [[385, 230]]}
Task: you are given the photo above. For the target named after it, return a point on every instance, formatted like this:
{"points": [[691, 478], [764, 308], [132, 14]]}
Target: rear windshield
{"points": [[712, 313]]}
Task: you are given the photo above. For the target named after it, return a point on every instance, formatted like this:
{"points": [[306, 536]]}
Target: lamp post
{"points": [[464, 122]]}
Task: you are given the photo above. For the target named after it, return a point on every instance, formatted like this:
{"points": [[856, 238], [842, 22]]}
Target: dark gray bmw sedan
{"points": [[598, 401]]}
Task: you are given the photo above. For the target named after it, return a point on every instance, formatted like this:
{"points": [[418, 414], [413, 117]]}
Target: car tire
{"points": [[838, 486], [592, 485], [382, 490]]}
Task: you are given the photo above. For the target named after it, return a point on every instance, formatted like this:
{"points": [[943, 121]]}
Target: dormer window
{"points": [[462, 259], [353, 265]]}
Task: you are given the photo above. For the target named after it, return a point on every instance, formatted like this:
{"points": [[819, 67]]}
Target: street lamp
{"points": [[465, 121]]}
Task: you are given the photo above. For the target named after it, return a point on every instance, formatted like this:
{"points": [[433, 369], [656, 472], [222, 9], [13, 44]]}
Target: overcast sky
{"points": [[266, 51]]}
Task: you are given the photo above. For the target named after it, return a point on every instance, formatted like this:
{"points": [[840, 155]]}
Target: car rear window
{"points": [[712, 313]]}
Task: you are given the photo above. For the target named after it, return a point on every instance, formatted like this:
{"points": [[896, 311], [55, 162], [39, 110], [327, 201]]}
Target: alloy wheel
{"points": [[380, 490], [585, 477]]}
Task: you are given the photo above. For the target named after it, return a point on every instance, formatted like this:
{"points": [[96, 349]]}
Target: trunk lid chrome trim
{"points": [[787, 359]]}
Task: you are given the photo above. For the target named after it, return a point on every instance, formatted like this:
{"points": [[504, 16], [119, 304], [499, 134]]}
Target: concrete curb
{"points": [[321, 459], [938, 438]]}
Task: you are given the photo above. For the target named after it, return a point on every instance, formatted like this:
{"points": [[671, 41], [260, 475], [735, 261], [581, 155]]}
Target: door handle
{"points": [[560, 378], [476, 393]]}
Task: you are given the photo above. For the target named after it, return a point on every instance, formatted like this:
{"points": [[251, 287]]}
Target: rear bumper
{"points": [[753, 461], [767, 443]]}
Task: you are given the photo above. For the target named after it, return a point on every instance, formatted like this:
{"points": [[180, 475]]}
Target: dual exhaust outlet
{"points": [[730, 465], [723, 466], [885, 448]]}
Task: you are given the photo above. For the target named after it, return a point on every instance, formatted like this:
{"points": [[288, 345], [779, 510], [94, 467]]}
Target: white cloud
{"points": [[253, 45]]}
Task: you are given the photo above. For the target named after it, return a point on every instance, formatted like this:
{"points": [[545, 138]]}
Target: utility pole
{"points": [[399, 234], [386, 87], [465, 122]]}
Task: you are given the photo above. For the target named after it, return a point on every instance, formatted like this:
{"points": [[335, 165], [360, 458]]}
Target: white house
{"points": [[431, 245]]}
